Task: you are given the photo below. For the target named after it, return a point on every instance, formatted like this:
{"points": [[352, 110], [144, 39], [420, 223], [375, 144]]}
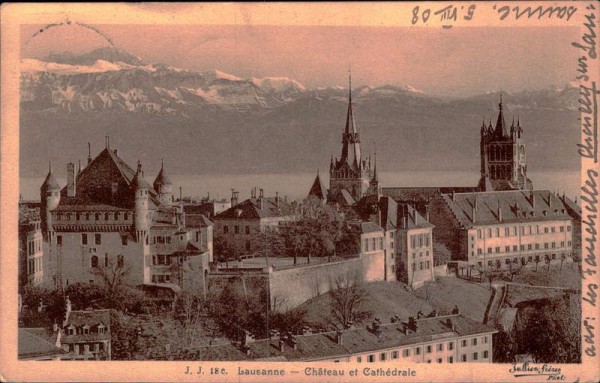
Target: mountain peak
{"points": [[109, 54]]}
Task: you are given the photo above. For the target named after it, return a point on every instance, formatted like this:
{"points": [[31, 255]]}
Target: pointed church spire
{"points": [[375, 178], [500, 130]]}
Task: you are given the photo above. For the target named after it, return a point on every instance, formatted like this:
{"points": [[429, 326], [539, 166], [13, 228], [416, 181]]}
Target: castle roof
{"points": [[485, 208], [50, 182], [107, 180], [254, 209], [162, 178]]}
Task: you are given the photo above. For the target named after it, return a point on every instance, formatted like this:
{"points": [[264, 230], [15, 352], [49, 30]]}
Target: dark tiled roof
{"points": [[92, 319], [253, 209], [37, 343], [409, 218], [197, 220], [514, 206], [388, 208], [318, 190], [573, 208], [343, 198], [89, 207], [422, 194], [366, 226]]}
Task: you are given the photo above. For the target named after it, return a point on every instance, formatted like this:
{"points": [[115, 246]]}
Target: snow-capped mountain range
{"points": [[109, 90]]}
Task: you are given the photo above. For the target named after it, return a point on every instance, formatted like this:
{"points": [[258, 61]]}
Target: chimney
{"points": [[450, 324], [473, 213], [71, 187], [55, 327], [262, 193], [338, 337], [116, 152], [234, 198], [281, 345], [412, 323], [285, 198], [499, 211], [277, 199], [427, 213], [89, 159]]}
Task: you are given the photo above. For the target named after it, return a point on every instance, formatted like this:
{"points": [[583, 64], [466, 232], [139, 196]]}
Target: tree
{"points": [[222, 250], [268, 242], [190, 312], [348, 300], [84, 295], [114, 283]]}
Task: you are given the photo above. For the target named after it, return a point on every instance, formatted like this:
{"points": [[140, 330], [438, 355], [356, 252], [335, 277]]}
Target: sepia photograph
{"points": [[358, 199]]}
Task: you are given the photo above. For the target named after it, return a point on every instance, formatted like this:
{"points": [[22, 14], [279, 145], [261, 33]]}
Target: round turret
{"points": [[50, 198], [163, 186], [141, 190]]}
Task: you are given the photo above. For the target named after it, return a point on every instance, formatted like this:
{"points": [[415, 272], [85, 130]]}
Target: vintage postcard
{"points": [[330, 192]]}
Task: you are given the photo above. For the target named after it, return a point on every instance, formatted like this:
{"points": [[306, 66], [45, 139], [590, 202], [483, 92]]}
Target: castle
{"points": [[108, 219]]}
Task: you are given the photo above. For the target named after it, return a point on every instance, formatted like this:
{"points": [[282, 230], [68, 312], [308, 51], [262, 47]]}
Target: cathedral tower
{"points": [[503, 161], [350, 172]]}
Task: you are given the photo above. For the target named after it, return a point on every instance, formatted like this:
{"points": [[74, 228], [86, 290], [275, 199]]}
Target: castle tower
{"points": [[503, 162], [350, 172], [163, 186], [50, 198], [141, 213]]}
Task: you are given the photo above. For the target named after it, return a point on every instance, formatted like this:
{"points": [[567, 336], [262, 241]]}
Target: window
{"points": [[475, 356], [84, 239], [489, 233], [464, 343], [522, 247], [428, 360], [507, 248], [125, 216], [507, 261], [428, 265], [98, 238], [562, 229], [59, 240], [105, 259], [440, 347], [529, 259], [429, 349], [106, 216], [506, 232], [117, 216], [515, 248], [374, 244], [418, 351], [537, 246], [554, 245], [474, 342], [485, 339], [426, 239], [394, 354], [529, 247], [124, 240], [562, 243], [545, 230], [236, 229], [489, 250], [371, 358], [569, 228], [450, 359], [94, 261], [413, 241], [247, 229], [439, 360], [546, 245], [553, 229], [479, 233], [497, 249], [489, 263], [97, 216], [359, 359], [382, 356], [479, 251], [85, 330], [497, 232], [406, 353], [464, 357], [120, 261], [485, 354], [420, 265], [366, 245], [100, 329], [225, 229], [450, 345]]}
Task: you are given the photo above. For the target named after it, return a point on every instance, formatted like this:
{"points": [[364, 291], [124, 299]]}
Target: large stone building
{"points": [[444, 339], [108, 216], [495, 230], [238, 227]]}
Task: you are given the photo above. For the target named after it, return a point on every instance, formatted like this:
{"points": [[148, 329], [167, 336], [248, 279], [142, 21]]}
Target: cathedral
{"points": [[352, 176], [503, 164]]}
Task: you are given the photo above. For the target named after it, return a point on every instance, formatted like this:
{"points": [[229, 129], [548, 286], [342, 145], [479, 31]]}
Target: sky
{"points": [[456, 62]]}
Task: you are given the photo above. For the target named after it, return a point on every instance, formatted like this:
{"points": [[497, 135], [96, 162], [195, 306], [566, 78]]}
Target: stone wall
{"points": [[291, 287]]}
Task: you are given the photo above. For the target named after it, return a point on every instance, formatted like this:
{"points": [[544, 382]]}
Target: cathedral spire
{"points": [[375, 178], [500, 130]]}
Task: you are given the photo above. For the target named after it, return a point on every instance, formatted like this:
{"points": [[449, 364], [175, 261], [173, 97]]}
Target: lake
{"points": [[297, 185]]}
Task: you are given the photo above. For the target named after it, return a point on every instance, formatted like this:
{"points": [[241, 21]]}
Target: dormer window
{"points": [[544, 213], [85, 330], [101, 329], [71, 330]]}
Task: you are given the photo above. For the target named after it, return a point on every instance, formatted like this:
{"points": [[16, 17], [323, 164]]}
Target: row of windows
{"points": [[419, 240], [428, 350], [97, 238], [77, 348], [161, 259], [34, 265], [159, 239], [34, 246], [94, 216], [525, 230], [95, 261], [375, 244], [537, 258], [531, 246], [414, 255], [236, 229], [427, 265], [161, 278], [85, 329]]}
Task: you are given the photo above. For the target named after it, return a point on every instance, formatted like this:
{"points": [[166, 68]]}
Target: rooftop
{"points": [[258, 208]]}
